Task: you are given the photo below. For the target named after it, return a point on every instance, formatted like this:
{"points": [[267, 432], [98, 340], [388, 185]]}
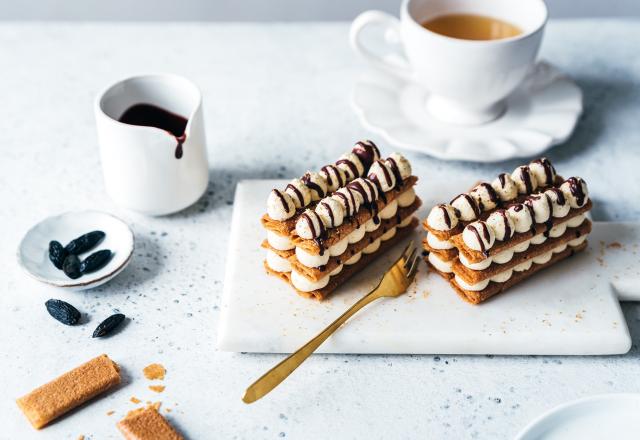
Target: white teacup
{"points": [[467, 79], [140, 165]]}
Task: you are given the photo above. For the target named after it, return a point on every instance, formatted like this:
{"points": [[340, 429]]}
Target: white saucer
{"points": [[33, 252], [607, 416], [541, 113]]}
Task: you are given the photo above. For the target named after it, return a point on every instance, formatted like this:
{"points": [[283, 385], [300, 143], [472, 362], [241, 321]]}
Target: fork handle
{"points": [[280, 372]]}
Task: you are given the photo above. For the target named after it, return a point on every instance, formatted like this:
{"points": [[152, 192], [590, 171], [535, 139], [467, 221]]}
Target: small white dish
{"points": [[33, 251], [541, 112], [612, 416]]}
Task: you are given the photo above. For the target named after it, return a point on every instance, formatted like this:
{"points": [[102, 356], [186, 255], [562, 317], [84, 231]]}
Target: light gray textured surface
{"points": [[276, 103], [259, 10]]}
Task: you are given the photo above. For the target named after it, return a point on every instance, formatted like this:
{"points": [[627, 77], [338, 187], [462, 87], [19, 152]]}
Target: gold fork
{"points": [[395, 282]]}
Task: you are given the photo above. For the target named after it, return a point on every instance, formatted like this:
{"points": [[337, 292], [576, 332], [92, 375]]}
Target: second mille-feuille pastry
{"points": [[328, 225], [500, 233]]}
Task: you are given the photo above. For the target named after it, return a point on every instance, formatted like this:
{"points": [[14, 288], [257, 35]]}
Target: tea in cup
{"points": [[469, 54]]}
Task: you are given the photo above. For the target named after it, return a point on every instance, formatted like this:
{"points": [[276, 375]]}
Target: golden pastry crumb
{"points": [[156, 388], [109, 413], [154, 372], [135, 400], [614, 245]]}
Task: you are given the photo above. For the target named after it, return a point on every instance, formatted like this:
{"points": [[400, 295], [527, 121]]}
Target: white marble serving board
{"points": [[570, 309]]}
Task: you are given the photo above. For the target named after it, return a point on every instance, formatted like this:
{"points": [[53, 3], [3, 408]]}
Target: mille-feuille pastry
{"points": [[502, 232], [328, 225], [51, 400]]}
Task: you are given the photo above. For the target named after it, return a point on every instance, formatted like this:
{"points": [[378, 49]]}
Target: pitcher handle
{"points": [[396, 63]]}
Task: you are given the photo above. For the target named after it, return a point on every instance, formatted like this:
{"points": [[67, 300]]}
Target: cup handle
{"points": [[396, 63]]}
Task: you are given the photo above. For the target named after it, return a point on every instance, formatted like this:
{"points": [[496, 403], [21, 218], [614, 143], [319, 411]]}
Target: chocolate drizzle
{"points": [[327, 171], [507, 228], [471, 201], [445, 215], [473, 229], [312, 227], [385, 171], [549, 204], [297, 192], [549, 170], [357, 186], [485, 232], [285, 205], [376, 182], [367, 152], [575, 187], [503, 179], [319, 236], [349, 202], [396, 171], [525, 174], [559, 196], [370, 203], [352, 166], [493, 196], [306, 179], [330, 211], [529, 204], [548, 226]]}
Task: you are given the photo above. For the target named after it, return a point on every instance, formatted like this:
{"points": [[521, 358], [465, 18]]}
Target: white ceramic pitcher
{"points": [[140, 166]]}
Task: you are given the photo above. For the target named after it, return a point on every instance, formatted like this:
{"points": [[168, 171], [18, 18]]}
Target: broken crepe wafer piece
{"points": [[147, 424], [497, 234], [51, 400], [320, 226]]}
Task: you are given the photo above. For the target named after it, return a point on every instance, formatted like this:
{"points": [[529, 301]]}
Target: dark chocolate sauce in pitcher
{"points": [[149, 115]]}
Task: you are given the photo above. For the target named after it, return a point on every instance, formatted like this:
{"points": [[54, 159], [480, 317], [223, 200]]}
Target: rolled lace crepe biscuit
{"points": [[348, 271], [147, 424], [474, 256], [494, 288], [315, 274], [334, 235], [51, 400], [471, 276]]}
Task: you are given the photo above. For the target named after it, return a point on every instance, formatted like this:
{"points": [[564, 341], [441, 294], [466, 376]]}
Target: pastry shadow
{"points": [[147, 262]]}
